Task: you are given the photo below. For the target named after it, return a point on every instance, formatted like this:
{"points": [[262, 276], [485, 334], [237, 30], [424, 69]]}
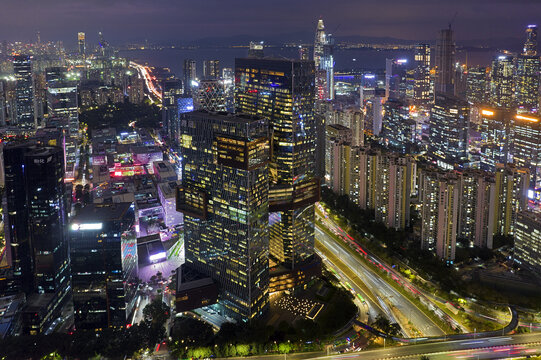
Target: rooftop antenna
{"points": [[452, 20]]}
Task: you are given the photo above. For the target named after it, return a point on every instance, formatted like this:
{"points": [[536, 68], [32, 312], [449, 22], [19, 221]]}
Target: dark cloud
{"points": [[189, 20]]}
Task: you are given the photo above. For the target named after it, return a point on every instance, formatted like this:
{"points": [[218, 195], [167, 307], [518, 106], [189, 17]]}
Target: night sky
{"points": [[187, 20]]}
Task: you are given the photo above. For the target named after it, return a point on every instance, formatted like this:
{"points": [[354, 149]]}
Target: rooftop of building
{"points": [[102, 212], [169, 188]]}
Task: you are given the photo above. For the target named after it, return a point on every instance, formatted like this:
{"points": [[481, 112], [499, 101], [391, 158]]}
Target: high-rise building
{"points": [[210, 95], [62, 98], [512, 185], [449, 126], [386, 181], [530, 46], [477, 208], [494, 130], [502, 82], [422, 91], [395, 78], [211, 69], [335, 172], [24, 92], [439, 195], [528, 241], [528, 67], [190, 76], [283, 91], [526, 148], [171, 91], [398, 130], [37, 216], [136, 89], [225, 201], [477, 85], [103, 250], [445, 63], [324, 62], [81, 42], [256, 49], [304, 52]]}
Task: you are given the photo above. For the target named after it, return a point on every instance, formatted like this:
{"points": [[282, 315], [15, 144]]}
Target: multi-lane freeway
{"points": [[364, 276], [479, 348], [145, 73]]}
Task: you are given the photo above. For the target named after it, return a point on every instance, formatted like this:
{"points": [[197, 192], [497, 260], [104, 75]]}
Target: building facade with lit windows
{"points": [[225, 201], [422, 91], [37, 216], [494, 129], [477, 85], [211, 70], [478, 198], [190, 76], [445, 63], [24, 92], [502, 81], [512, 184], [439, 194], [103, 250], [283, 91], [210, 95], [528, 241], [398, 130], [449, 127], [324, 63], [81, 43], [526, 137], [528, 68]]}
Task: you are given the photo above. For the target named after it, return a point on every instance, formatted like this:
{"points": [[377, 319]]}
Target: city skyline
{"points": [[139, 21]]}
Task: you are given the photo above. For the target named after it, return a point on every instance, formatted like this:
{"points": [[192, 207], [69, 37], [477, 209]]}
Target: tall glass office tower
{"points": [[528, 67], [445, 63], [283, 91], [224, 198], [24, 91]]}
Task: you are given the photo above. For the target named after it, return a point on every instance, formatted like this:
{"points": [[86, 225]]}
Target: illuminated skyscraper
{"points": [[477, 85], [528, 241], [495, 140], [211, 69], [395, 78], [324, 63], [477, 208], [81, 42], [37, 216], [210, 95], [171, 93], [283, 91], [502, 82], [445, 63], [103, 250], [190, 76], [526, 130], [398, 130], [528, 66], [422, 91], [439, 194], [530, 46], [224, 198], [256, 49], [449, 126], [62, 98], [24, 92], [512, 185]]}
